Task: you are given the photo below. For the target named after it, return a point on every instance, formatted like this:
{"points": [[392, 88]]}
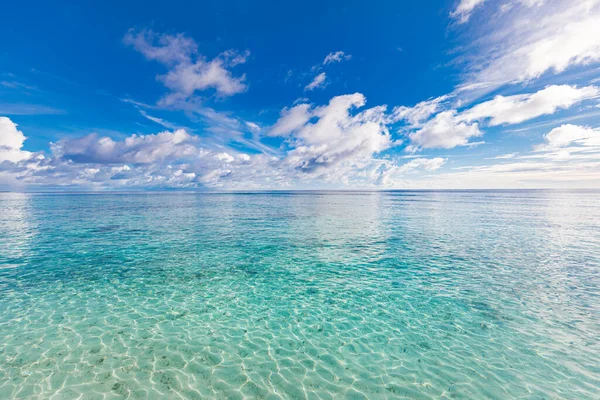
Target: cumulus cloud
{"points": [[290, 120], [431, 124], [445, 130], [317, 82], [567, 135], [333, 141], [11, 142], [519, 108], [136, 149], [167, 159], [337, 56], [338, 138], [338, 142], [188, 71], [464, 9], [189, 75], [339, 145]]}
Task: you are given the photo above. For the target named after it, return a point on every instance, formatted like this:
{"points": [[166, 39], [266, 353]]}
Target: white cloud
{"points": [[11, 142], [519, 108], [464, 9], [318, 81], [522, 174], [18, 85], [291, 119], [136, 149], [506, 156], [28, 109], [569, 157], [166, 159], [159, 121], [567, 135], [254, 128], [337, 147], [337, 56], [536, 38], [427, 164], [300, 100], [167, 49], [392, 175], [532, 3], [185, 79], [420, 112], [445, 130], [429, 124], [188, 71], [337, 142]]}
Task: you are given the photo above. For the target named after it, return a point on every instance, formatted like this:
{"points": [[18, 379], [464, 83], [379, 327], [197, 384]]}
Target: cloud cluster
{"points": [[569, 156], [342, 142], [432, 125], [166, 159], [189, 71], [337, 143], [135, 149], [332, 136]]}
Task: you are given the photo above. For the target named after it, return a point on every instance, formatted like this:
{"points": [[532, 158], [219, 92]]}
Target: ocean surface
{"points": [[307, 295]]}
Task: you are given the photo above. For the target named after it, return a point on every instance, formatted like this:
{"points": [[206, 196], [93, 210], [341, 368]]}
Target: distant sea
{"points": [[305, 295]]}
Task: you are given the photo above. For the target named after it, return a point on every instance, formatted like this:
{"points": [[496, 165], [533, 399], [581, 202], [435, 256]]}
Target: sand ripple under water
{"points": [[300, 296]]}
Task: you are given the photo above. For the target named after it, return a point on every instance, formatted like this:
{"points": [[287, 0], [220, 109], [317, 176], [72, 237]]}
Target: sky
{"points": [[233, 95]]}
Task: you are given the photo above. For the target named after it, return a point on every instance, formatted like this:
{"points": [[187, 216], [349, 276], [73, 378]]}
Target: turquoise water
{"points": [[308, 295]]}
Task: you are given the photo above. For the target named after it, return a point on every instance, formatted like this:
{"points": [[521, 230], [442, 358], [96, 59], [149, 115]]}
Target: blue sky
{"points": [[268, 95]]}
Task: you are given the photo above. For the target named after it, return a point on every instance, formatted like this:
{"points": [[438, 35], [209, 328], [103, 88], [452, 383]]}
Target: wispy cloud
{"points": [[464, 9], [17, 85], [159, 121], [534, 38], [28, 109], [319, 81], [519, 108], [337, 56]]}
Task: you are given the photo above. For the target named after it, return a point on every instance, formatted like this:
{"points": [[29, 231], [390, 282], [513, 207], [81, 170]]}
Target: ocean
{"points": [[300, 295]]}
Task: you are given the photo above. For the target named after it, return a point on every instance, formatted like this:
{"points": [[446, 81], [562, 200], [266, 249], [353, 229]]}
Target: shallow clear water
{"points": [[306, 295]]}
